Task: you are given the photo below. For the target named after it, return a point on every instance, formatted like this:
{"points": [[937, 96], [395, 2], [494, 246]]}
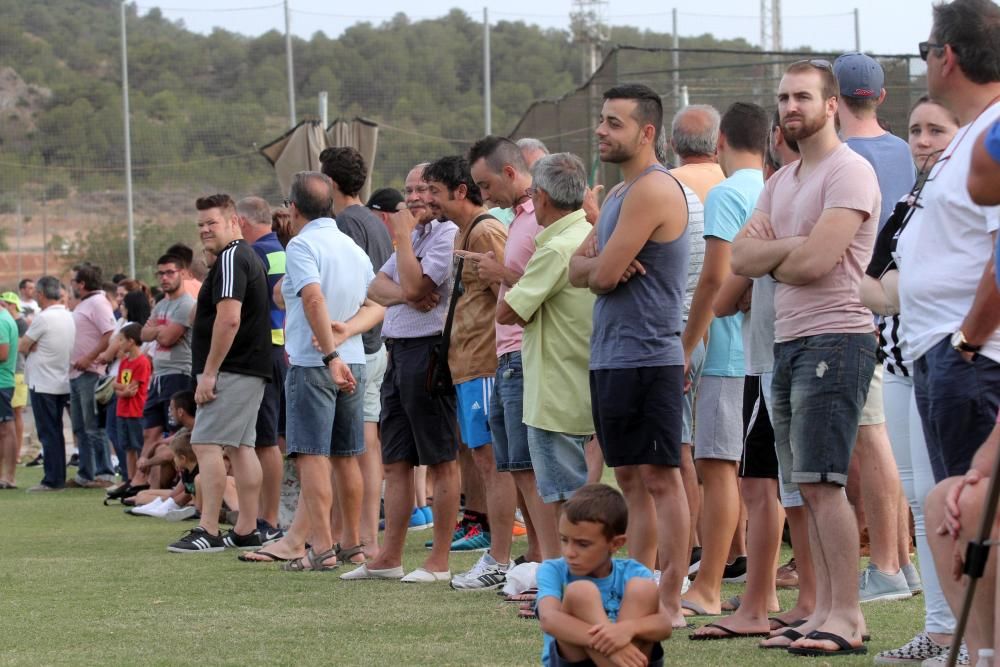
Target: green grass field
{"points": [[84, 584]]}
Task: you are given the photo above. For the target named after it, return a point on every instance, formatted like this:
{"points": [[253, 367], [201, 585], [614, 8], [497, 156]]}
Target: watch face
{"points": [[957, 339]]}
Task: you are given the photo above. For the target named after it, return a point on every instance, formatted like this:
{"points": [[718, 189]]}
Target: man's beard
{"points": [[807, 127]]}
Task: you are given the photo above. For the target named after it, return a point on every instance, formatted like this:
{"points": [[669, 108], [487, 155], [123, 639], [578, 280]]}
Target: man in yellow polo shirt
{"points": [[557, 323]]}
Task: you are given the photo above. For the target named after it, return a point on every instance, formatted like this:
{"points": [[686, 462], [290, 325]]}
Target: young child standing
{"points": [[594, 609], [131, 388]]}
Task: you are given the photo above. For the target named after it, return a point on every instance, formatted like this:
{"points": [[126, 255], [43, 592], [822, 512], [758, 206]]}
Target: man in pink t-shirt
{"points": [[499, 169], [95, 321], [813, 230]]}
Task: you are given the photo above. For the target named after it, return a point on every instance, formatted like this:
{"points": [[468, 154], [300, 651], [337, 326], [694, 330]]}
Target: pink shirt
{"points": [[831, 304], [518, 250], [93, 318]]}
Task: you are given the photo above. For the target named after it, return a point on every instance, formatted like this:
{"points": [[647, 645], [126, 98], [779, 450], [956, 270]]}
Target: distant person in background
{"points": [[26, 290], [384, 203], [8, 364], [281, 225], [184, 252], [47, 345], [532, 150], [20, 399]]}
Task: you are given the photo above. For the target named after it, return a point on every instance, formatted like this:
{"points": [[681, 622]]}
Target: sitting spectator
{"points": [[595, 608], [182, 413], [131, 388]]}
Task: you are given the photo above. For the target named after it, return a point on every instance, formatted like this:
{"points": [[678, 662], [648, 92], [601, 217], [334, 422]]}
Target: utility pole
{"points": [[857, 30], [770, 31], [487, 86], [591, 30], [676, 57], [128, 153], [290, 66]]}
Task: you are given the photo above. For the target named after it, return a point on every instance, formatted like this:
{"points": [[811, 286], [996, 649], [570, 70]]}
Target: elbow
{"points": [[413, 294]]}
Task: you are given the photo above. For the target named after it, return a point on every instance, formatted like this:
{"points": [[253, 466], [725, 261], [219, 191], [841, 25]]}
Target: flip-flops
{"points": [[843, 646], [789, 633], [8, 486], [785, 624], [696, 608], [260, 552], [727, 633]]}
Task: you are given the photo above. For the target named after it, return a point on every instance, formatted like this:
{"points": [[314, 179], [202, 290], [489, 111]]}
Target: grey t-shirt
{"points": [[177, 357], [366, 229], [758, 328], [893, 163], [22, 328]]}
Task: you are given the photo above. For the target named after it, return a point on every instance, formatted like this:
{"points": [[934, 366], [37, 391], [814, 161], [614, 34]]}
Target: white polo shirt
{"points": [[46, 370]]}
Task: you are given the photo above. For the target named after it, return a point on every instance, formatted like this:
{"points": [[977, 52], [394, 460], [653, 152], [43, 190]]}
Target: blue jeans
{"points": [[510, 435], [958, 402], [48, 410], [322, 420], [819, 388], [95, 461], [560, 466]]}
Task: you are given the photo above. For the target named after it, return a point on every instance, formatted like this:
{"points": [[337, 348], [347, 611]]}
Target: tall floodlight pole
{"points": [[676, 56], [487, 87], [128, 150], [290, 65], [857, 30]]}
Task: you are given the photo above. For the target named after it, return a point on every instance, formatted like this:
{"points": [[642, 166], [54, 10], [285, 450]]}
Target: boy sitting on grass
{"points": [[596, 610]]}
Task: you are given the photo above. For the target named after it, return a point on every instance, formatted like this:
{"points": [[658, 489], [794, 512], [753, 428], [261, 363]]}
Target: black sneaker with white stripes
{"points": [[198, 540], [234, 540]]}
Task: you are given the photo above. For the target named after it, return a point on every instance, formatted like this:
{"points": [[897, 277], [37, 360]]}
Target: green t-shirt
{"points": [[8, 336]]}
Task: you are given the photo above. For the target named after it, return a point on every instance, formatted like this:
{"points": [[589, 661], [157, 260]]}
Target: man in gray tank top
{"points": [[636, 261]]}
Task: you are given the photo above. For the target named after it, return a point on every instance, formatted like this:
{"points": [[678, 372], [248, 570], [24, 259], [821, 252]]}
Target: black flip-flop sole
{"points": [[274, 559]]}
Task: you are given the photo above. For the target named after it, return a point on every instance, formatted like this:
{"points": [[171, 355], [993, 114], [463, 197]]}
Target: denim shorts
{"points": [[510, 435], [322, 420], [130, 433], [819, 389], [958, 402], [559, 463], [474, 411]]}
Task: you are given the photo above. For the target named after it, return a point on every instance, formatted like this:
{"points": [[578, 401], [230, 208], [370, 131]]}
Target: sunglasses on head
{"points": [[815, 62]]}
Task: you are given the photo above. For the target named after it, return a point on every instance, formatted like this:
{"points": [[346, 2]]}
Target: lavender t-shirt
{"points": [[831, 304]]}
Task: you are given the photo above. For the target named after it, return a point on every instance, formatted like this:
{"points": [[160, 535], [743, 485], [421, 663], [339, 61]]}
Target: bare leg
{"points": [[880, 494], [350, 489], [446, 497], [538, 516], [230, 496], [246, 472], [738, 545], [18, 432], [472, 482], [904, 538], [293, 544], [420, 486], [691, 489], [721, 513], [641, 532], [371, 474], [671, 516], [272, 471], [150, 437], [501, 500], [317, 496], [8, 451], [594, 457], [398, 506], [212, 474]]}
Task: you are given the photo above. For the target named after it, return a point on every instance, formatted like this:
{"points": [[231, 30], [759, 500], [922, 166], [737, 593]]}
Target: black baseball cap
{"points": [[385, 199]]}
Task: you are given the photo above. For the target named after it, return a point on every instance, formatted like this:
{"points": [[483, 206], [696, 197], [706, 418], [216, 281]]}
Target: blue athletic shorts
{"points": [[474, 411]]}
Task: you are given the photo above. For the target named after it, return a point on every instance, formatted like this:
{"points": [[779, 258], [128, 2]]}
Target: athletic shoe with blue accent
{"points": [[475, 540], [428, 515], [460, 529], [417, 520]]}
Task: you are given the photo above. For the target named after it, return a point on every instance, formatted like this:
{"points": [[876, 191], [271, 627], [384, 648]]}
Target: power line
{"points": [[145, 167], [206, 10]]}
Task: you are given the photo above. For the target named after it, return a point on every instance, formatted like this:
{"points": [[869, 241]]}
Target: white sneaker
{"points": [[490, 577], [422, 576], [485, 562], [181, 514], [167, 505], [685, 582], [148, 508]]}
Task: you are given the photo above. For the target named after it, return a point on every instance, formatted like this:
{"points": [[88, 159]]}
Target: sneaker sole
{"points": [[210, 550], [735, 580], [477, 589], [888, 597], [453, 550], [413, 529]]}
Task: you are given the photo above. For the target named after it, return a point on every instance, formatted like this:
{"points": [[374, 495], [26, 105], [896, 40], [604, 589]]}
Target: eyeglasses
{"points": [[287, 203], [925, 49], [531, 191], [161, 274], [815, 62]]}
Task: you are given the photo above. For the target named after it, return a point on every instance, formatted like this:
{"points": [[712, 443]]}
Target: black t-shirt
{"points": [[366, 229], [237, 274]]}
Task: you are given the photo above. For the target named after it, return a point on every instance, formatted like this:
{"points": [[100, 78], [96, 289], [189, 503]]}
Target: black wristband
{"points": [[330, 357]]}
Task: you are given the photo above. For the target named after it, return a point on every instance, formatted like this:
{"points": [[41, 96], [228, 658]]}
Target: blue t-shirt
{"points": [[272, 254], [728, 206], [892, 161], [993, 141], [553, 576]]}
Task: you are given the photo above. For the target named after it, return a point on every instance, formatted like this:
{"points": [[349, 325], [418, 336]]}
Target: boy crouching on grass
{"points": [[596, 610]]}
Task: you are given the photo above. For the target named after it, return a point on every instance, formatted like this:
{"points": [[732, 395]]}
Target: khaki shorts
{"points": [[874, 411], [20, 392], [375, 365], [231, 419]]}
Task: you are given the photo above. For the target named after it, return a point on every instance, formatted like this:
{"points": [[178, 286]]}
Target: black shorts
{"points": [[759, 457], [556, 660], [156, 412], [7, 404], [639, 414], [415, 427], [270, 420]]}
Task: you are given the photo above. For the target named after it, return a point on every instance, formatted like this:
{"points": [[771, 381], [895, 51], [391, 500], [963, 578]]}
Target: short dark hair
{"points": [[453, 171], [132, 331], [345, 167], [171, 258], [108, 286], [185, 401], [828, 80], [972, 29], [136, 304], [183, 252], [24, 282], [49, 287], [649, 106], [118, 277], [498, 151], [220, 201], [89, 275], [860, 104], [745, 126], [598, 503], [312, 201]]}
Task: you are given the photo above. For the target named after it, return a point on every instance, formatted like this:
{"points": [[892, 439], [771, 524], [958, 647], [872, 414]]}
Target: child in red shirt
{"points": [[131, 388]]}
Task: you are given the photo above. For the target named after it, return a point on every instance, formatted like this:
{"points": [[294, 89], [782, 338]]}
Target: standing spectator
{"points": [[26, 290], [861, 82], [131, 388], [254, 216], [813, 230], [8, 434], [47, 345], [326, 281], [556, 317], [185, 254], [169, 329], [532, 150], [20, 399], [231, 359], [95, 321], [636, 261], [347, 169], [417, 427]]}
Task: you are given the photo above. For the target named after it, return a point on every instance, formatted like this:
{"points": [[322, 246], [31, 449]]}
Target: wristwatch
{"points": [[959, 343], [330, 357]]}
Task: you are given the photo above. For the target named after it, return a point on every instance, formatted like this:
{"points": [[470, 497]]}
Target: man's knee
{"points": [[661, 480]]}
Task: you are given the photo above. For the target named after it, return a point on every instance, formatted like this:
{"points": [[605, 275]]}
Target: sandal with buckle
{"points": [[345, 554], [316, 562]]}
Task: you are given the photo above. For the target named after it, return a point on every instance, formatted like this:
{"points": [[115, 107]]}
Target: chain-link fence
{"points": [[694, 76]]}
